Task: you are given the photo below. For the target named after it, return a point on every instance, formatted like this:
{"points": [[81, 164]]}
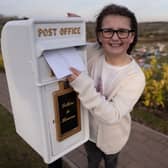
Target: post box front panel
{"points": [[59, 148], [45, 72]]}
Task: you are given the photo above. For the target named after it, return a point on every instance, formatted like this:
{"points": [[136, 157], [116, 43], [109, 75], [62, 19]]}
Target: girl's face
{"points": [[117, 44]]}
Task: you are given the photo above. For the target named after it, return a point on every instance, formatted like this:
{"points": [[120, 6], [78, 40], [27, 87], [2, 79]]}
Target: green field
{"points": [[1, 64], [14, 152], [148, 118]]}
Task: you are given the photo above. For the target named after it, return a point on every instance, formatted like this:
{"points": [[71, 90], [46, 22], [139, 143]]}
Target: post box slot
{"points": [[46, 74]]}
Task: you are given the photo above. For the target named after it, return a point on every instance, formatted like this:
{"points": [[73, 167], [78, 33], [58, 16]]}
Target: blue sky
{"points": [[145, 10]]}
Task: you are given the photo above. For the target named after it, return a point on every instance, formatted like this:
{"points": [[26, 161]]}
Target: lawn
{"points": [[1, 64], [14, 152], [146, 117]]}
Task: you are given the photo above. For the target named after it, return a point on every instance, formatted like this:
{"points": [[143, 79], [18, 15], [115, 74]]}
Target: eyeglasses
{"points": [[121, 33]]}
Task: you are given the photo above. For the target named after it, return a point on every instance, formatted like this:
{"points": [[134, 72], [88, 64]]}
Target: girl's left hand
{"points": [[74, 75]]}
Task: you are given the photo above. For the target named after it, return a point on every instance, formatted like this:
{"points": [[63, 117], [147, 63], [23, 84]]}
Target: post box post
{"points": [[47, 112]]}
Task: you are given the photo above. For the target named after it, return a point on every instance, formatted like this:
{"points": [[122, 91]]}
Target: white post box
{"points": [[47, 113]]}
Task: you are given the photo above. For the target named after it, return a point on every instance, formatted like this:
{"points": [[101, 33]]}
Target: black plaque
{"points": [[67, 109]]}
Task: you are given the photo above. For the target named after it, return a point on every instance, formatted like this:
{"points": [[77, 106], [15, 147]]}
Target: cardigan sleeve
{"points": [[109, 111]]}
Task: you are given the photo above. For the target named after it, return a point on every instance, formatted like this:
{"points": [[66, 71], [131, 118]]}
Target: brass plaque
{"points": [[67, 111]]}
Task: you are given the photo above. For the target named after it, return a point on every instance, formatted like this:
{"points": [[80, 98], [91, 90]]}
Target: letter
{"points": [[69, 30], [55, 31], [61, 31], [49, 32], [78, 30], [40, 32]]}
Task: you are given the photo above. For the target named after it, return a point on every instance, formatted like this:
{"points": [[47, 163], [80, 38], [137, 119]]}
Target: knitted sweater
{"points": [[110, 121]]}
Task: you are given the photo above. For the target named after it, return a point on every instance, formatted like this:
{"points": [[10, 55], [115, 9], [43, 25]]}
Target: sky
{"points": [[145, 10]]}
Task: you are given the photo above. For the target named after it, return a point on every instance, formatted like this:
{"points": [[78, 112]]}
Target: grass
{"points": [[14, 152], [149, 119], [1, 64]]}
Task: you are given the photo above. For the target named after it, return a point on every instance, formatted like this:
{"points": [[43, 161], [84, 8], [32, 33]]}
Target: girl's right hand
{"points": [[72, 15]]}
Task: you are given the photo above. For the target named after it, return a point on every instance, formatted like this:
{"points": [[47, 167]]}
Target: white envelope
{"points": [[61, 60]]}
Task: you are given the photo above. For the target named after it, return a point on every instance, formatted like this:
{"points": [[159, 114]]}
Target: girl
{"points": [[113, 86]]}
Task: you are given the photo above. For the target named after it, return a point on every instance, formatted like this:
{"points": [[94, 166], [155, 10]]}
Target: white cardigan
{"points": [[112, 116]]}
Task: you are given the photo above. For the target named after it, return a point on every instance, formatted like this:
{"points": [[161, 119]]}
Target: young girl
{"points": [[113, 86]]}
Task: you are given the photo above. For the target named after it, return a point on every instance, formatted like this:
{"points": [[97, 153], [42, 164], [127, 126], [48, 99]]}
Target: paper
{"points": [[62, 59]]}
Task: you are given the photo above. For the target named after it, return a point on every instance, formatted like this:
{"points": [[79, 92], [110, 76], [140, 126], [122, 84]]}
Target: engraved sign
{"points": [[67, 112], [44, 32], [58, 30]]}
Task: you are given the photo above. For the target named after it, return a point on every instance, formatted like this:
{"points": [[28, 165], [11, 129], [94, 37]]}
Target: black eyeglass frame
{"points": [[116, 31]]}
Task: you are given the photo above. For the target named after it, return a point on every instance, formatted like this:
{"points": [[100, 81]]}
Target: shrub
{"points": [[155, 94]]}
